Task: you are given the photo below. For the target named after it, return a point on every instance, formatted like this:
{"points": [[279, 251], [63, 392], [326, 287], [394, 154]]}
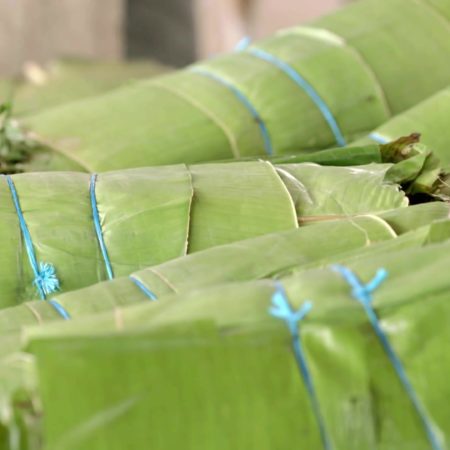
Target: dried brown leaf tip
{"points": [[399, 149]]}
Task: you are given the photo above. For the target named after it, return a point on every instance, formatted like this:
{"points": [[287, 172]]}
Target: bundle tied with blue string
{"points": [[364, 294], [319, 354], [71, 230], [281, 309], [247, 260], [45, 278], [310, 87]]}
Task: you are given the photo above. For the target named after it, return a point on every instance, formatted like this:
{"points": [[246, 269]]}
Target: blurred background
{"points": [[175, 32]]}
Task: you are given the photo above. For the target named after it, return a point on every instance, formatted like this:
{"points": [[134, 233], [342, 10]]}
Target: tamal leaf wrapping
{"points": [[222, 348], [151, 215], [244, 105]]}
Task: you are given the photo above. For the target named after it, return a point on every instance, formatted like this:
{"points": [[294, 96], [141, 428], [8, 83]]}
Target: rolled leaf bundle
{"points": [[70, 230], [89, 228], [310, 87], [18, 373], [239, 261], [429, 118], [269, 256], [311, 347], [256, 258], [244, 260]]}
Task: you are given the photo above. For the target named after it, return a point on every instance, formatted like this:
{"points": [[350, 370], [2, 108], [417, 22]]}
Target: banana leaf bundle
{"points": [[70, 230], [240, 262], [347, 241], [269, 256], [309, 87], [68, 80], [429, 118], [360, 374], [228, 263]]}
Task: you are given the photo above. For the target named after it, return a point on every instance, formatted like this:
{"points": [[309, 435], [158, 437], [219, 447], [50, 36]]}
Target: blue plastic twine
{"points": [[282, 309], [363, 293], [60, 309], [143, 288], [306, 87], [244, 100], [377, 137], [243, 44], [98, 227], [45, 278]]}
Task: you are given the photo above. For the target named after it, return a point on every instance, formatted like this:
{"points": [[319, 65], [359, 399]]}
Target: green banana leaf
{"points": [[308, 87], [68, 80], [201, 364], [429, 118], [151, 215]]}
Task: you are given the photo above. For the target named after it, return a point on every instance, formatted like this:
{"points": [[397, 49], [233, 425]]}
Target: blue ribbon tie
{"points": [[363, 294], [281, 309], [45, 278], [98, 227], [306, 87], [244, 100], [146, 291]]}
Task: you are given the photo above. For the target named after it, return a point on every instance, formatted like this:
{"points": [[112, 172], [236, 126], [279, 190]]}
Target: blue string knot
{"points": [[46, 279], [362, 292], [282, 309]]}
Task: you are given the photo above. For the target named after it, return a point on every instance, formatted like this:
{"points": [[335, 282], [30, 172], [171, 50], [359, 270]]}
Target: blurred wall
{"points": [[173, 31], [41, 30], [164, 30], [222, 23]]}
